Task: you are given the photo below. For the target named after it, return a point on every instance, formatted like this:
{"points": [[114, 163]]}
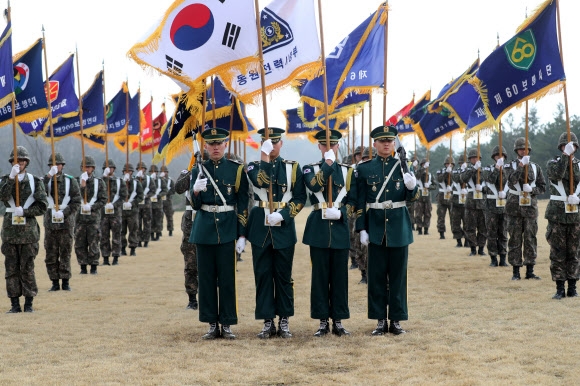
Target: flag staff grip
{"points": [[81, 125]]}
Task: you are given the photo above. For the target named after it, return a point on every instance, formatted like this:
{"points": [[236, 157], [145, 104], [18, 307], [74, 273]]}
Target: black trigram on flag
{"points": [[173, 65], [231, 35]]}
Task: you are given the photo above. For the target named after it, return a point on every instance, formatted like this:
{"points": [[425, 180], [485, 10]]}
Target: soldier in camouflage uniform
{"points": [[563, 232], [457, 205], [59, 224], [444, 205], [157, 203], [523, 220], [20, 240], [188, 249], [88, 221], [149, 189], [475, 228], [423, 205], [111, 214], [130, 224], [495, 218], [167, 200]]}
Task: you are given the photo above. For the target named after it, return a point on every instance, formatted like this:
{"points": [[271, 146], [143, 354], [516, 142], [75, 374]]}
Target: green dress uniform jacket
{"points": [[97, 200], [329, 233], [390, 225], [220, 227], [73, 202], [261, 173]]}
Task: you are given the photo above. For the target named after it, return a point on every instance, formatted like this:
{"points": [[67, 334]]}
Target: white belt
{"points": [[558, 198], [386, 205], [188, 207], [325, 205], [218, 208], [517, 193], [266, 204]]}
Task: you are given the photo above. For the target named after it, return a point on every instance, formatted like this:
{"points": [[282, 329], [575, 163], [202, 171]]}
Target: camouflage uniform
{"points": [[495, 217], [457, 207], [523, 220], [475, 228], [20, 242], [130, 223], [188, 249], [145, 214], [167, 201], [111, 223], [157, 203], [423, 205], [563, 232], [58, 237], [445, 187], [87, 227]]}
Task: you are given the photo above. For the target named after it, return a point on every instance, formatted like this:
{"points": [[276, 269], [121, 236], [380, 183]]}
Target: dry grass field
{"points": [[469, 324]]}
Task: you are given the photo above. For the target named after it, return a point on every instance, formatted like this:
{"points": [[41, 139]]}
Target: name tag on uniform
{"points": [[164, 198], [18, 220], [462, 199], [142, 202]]}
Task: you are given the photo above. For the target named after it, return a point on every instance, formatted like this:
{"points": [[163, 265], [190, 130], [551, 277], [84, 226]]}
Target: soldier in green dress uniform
{"points": [[385, 226], [273, 235], [327, 234], [219, 191]]}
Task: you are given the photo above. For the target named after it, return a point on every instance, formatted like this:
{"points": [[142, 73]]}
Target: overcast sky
{"points": [[430, 42]]}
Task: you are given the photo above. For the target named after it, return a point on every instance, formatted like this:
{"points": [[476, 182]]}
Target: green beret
{"points": [[215, 135], [383, 132], [335, 136], [274, 133]]}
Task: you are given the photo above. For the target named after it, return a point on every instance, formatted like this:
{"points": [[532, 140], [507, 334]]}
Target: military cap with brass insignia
{"points": [[384, 132], [215, 134], [274, 134], [335, 136]]}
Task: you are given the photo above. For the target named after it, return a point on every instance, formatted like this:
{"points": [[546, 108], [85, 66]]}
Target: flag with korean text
{"points": [[117, 112], [528, 66], [6, 68], [290, 46], [434, 127], [135, 125]]}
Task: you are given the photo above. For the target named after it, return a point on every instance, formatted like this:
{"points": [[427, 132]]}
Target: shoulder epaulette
{"points": [[365, 161], [287, 161], [315, 163], [236, 161], [345, 165]]}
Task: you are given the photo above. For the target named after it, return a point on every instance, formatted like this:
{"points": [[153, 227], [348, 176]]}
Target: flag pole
{"points": [[362, 129], [152, 136], [353, 136], [213, 102], [81, 116], [165, 115], [500, 136], [385, 67], [478, 158], [231, 127], [14, 142], [47, 87], [370, 125], [526, 149], [450, 157]]}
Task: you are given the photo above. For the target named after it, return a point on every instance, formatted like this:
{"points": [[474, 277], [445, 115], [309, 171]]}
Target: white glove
{"points": [[267, 147], [478, 187], [53, 170], [449, 188], [499, 163], [241, 244], [477, 165], [18, 211], [449, 169], [86, 207], [501, 194], [410, 181], [573, 199], [200, 184], [14, 171], [415, 163], [84, 176], [162, 174], [58, 214], [464, 191], [106, 172], [427, 184], [126, 177], [140, 174], [525, 160], [527, 188], [109, 206], [333, 214], [426, 165], [329, 155], [153, 175], [274, 218], [128, 205], [463, 166], [364, 237], [570, 148]]}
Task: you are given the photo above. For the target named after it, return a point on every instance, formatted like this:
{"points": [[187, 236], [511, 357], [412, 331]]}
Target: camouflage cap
{"points": [[153, 169], [563, 140], [141, 165], [21, 152], [58, 158], [520, 143], [449, 160], [111, 164], [164, 169], [495, 151], [89, 162], [128, 168]]}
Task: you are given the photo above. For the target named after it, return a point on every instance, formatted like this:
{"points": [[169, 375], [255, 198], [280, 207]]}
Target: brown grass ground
{"points": [[469, 324]]}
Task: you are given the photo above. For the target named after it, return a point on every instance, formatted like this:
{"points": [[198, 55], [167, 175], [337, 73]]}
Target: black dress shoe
{"points": [[212, 333], [284, 328], [381, 328], [323, 329], [227, 333], [395, 328], [268, 331], [338, 330]]}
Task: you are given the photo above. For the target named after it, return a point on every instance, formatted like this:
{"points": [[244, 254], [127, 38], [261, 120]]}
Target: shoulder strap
{"points": [[387, 180], [342, 192], [116, 196], [209, 177], [134, 193]]}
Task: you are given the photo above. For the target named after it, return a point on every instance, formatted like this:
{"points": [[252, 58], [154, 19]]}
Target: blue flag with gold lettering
{"points": [[435, 126]]}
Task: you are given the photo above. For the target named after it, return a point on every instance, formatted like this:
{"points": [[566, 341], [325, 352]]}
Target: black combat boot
{"points": [[441, 235], [192, 305], [284, 328], [473, 252], [323, 328], [381, 328], [15, 302], [93, 269], [516, 275], [238, 256], [502, 262], [227, 333], [106, 260], [480, 251], [28, 304], [159, 234], [269, 329], [115, 260], [146, 244], [133, 251], [65, 285], [571, 288], [559, 290], [353, 264], [83, 269], [426, 232], [152, 236], [124, 251], [55, 286], [466, 243], [493, 261], [530, 272], [419, 230], [395, 328], [412, 227], [170, 233], [139, 245], [363, 279], [338, 329], [459, 245], [213, 332]]}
